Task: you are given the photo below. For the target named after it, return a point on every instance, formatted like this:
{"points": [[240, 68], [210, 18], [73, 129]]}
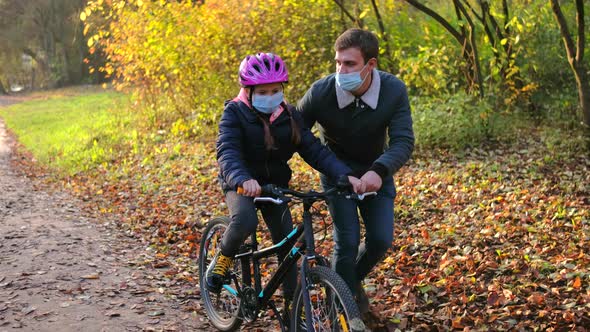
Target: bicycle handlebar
{"points": [[360, 197], [277, 195], [276, 201]]}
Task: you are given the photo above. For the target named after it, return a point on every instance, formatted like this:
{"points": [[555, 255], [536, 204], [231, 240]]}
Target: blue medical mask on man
{"points": [[351, 81], [267, 103]]}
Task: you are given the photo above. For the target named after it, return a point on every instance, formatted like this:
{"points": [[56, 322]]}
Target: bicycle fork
{"points": [[310, 255]]}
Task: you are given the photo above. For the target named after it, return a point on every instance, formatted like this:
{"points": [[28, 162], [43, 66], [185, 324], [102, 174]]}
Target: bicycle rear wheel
{"points": [[332, 305], [223, 308]]}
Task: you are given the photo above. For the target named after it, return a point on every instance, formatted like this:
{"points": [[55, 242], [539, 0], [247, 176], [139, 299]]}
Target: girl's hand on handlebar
{"points": [[358, 186], [250, 188]]}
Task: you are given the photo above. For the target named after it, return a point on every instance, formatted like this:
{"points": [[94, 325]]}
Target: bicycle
{"points": [[322, 300]]}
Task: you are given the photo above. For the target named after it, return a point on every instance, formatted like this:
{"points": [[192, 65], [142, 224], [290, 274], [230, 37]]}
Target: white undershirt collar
{"points": [[370, 97]]}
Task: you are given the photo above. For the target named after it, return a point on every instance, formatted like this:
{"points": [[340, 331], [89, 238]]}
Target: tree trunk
{"points": [[2, 89], [583, 85], [66, 78], [474, 55], [33, 82], [575, 55]]}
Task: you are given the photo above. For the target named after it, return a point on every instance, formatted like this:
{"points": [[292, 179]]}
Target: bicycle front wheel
{"points": [[223, 308], [332, 306]]}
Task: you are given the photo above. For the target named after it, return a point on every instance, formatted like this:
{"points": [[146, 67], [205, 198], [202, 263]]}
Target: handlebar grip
{"points": [[268, 189], [342, 183]]}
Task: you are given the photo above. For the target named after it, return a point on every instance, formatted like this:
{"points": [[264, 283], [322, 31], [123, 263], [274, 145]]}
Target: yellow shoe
{"points": [[217, 275]]}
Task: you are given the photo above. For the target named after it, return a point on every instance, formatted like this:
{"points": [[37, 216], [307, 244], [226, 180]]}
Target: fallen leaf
{"points": [[42, 315], [577, 282], [536, 299], [28, 310], [160, 265], [457, 323]]}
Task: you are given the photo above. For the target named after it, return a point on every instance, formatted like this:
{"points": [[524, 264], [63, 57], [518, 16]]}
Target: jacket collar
{"points": [[370, 97], [251, 116]]}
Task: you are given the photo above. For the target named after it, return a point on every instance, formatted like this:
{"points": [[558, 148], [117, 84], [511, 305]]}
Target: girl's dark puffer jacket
{"points": [[242, 156]]}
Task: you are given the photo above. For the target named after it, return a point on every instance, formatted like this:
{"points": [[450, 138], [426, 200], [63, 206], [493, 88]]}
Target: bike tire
{"points": [[338, 303], [223, 309]]}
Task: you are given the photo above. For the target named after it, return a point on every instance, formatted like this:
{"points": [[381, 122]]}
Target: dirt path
{"points": [[63, 271], [8, 100]]}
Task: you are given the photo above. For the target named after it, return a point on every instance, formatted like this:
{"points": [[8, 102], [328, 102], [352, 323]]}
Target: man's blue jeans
{"points": [[352, 262]]}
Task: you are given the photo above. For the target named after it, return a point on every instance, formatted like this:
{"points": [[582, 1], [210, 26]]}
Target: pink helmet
{"points": [[263, 68]]}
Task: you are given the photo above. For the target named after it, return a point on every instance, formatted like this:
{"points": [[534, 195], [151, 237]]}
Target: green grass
{"points": [[71, 133]]}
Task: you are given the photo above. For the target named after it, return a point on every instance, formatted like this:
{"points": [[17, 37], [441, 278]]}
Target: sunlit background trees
{"points": [[475, 65]]}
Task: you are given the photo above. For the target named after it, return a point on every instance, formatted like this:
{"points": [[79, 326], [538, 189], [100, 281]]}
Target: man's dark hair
{"points": [[364, 40]]}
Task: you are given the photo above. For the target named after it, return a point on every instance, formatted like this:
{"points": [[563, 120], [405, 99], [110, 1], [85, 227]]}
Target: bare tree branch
{"points": [[565, 33], [474, 53], [484, 21], [345, 11], [379, 19], [581, 34], [507, 46], [506, 16], [439, 19], [381, 27], [466, 3], [499, 35]]}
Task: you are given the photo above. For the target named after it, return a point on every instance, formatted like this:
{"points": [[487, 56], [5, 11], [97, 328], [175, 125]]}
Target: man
{"points": [[364, 118]]}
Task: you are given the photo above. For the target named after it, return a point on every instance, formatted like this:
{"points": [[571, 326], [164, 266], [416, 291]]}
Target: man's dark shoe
{"points": [[217, 272], [372, 321], [362, 300]]}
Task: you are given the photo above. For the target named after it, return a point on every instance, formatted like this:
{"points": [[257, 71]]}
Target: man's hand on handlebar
{"points": [[371, 181], [358, 186]]}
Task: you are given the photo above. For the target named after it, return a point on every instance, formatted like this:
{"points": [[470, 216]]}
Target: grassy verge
{"points": [[71, 131]]}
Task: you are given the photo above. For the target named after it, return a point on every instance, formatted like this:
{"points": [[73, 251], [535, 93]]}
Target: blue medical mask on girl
{"points": [[267, 104], [351, 81]]}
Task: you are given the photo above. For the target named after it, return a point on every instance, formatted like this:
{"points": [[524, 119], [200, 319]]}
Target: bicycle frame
{"points": [[301, 238], [297, 239], [252, 258]]}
